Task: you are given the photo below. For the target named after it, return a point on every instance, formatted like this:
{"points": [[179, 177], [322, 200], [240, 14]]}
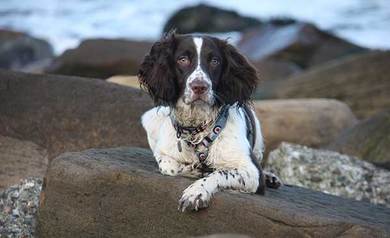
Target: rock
{"points": [[62, 113], [204, 18], [20, 159], [119, 193], [101, 58], [271, 70], [296, 42], [18, 208], [331, 172], [224, 236], [130, 81], [369, 140], [311, 122], [360, 81], [18, 50]]}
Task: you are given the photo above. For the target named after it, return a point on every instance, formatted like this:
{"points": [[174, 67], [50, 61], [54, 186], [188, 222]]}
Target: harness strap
{"points": [[250, 125], [251, 134], [202, 148], [187, 130]]}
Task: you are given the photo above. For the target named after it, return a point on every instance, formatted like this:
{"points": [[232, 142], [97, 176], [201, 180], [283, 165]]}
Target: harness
{"points": [[250, 125], [202, 147]]}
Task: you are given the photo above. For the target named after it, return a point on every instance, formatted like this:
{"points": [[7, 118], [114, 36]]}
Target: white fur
{"points": [[229, 155], [199, 74]]}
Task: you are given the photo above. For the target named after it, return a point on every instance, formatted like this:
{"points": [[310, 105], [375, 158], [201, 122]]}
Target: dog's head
{"points": [[196, 70]]}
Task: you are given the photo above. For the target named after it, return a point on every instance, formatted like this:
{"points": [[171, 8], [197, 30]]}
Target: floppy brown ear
{"points": [[239, 78], [156, 73]]}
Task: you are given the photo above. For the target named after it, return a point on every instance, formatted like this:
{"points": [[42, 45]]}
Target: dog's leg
{"points": [[171, 167], [198, 194]]}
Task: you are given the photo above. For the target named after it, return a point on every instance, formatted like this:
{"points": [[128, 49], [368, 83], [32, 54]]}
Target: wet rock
{"points": [[204, 18], [18, 208], [296, 42], [101, 58], [331, 172], [369, 140], [271, 70], [19, 49], [69, 113], [20, 159], [119, 193], [311, 122]]}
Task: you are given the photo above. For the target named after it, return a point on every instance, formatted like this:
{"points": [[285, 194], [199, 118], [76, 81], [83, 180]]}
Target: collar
{"points": [[189, 130]]}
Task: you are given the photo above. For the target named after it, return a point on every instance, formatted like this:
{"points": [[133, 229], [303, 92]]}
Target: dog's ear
{"points": [[239, 78], [157, 73]]}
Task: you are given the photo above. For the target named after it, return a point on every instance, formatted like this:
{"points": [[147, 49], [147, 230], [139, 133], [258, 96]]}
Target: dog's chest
{"points": [[187, 153]]}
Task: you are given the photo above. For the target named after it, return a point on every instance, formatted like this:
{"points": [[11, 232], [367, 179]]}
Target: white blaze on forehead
{"points": [[198, 41], [198, 71]]}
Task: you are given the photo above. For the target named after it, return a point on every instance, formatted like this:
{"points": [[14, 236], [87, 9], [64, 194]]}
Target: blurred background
{"points": [[65, 23], [324, 99]]}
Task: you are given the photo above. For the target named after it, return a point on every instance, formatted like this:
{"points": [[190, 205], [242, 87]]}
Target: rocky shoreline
{"points": [[323, 104]]}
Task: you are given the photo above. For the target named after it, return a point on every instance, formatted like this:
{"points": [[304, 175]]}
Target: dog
{"points": [[202, 125]]}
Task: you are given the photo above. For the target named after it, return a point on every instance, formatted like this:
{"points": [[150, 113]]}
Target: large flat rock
{"points": [[70, 113], [119, 193]]}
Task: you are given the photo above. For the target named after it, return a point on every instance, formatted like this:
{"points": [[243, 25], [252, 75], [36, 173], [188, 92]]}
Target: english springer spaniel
{"points": [[202, 125]]}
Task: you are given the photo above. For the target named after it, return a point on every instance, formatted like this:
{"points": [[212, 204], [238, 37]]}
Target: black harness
{"points": [[202, 147]]}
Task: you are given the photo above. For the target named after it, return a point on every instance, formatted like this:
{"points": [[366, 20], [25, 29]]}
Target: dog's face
{"points": [[196, 70]]}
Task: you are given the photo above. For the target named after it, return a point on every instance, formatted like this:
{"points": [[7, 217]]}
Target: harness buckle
{"points": [[217, 129], [202, 156]]}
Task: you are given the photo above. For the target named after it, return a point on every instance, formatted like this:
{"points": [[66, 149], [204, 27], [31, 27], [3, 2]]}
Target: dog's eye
{"points": [[183, 61], [214, 62]]}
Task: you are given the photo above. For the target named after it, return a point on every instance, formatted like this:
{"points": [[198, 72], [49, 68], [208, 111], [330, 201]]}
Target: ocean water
{"points": [[64, 23]]}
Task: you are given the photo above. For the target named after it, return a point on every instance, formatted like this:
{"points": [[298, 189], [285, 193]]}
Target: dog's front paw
{"points": [[194, 198]]}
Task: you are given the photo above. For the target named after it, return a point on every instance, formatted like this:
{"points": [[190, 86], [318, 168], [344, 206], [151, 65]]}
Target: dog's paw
{"points": [[194, 198], [271, 180], [168, 166]]}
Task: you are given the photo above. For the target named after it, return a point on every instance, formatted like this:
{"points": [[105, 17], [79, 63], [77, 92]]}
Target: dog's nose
{"points": [[199, 86]]}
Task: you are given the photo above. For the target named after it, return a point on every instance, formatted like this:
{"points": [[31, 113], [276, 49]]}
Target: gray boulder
{"points": [[19, 49], [119, 193], [18, 208], [331, 172]]}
